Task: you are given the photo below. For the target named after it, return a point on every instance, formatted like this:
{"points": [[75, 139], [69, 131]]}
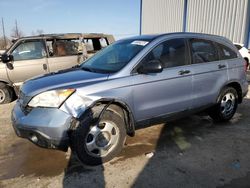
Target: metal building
{"points": [[229, 18]]}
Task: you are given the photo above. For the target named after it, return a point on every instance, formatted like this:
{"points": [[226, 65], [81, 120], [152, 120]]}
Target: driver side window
{"points": [[171, 53], [29, 50]]}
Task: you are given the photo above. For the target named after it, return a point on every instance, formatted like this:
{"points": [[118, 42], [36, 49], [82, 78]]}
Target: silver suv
{"points": [[35, 55], [139, 80]]}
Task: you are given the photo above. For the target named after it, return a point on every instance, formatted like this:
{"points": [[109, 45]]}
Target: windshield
{"points": [[114, 57]]}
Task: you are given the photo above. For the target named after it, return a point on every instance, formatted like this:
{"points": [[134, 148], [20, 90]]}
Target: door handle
{"points": [[220, 66], [45, 67], [182, 72]]}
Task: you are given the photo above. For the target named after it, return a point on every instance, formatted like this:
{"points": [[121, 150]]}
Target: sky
{"points": [[118, 17]]}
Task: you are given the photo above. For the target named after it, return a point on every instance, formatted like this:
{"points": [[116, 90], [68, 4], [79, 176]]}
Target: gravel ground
{"points": [[190, 152]]}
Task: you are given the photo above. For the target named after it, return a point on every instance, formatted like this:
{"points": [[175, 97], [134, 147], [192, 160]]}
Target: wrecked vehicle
{"points": [[35, 55], [140, 80]]}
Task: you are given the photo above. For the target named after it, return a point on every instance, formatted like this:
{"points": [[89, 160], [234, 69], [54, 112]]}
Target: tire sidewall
{"points": [[79, 138], [7, 93], [223, 93]]}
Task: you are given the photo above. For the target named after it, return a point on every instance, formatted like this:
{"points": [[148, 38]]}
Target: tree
{"points": [[16, 32], [2, 43]]}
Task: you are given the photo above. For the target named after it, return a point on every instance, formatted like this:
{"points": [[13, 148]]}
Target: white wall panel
{"points": [[162, 16], [227, 18]]}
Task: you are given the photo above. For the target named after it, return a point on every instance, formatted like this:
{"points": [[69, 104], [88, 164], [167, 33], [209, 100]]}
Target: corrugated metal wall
{"points": [[162, 16], [221, 17], [229, 18]]}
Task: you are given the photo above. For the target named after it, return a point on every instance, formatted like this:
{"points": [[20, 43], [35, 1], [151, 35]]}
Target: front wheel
{"points": [[6, 93], [96, 143], [226, 106]]}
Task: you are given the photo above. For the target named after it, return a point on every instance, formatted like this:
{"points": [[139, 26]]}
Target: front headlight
{"points": [[53, 98]]}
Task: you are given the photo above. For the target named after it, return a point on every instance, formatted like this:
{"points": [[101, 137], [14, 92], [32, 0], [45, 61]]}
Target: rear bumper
{"points": [[45, 127]]}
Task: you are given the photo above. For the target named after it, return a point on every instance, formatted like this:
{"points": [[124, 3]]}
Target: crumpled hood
{"points": [[69, 78]]}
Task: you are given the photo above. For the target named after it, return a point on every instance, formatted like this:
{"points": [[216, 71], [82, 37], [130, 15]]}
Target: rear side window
{"points": [[226, 52], [63, 47], [95, 44], [203, 51], [171, 53]]}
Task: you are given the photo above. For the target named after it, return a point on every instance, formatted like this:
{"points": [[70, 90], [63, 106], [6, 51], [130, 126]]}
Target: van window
{"points": [[29, 50], [171, 53], [203, 51], [63, 47], [95, 44], [226, 52]]}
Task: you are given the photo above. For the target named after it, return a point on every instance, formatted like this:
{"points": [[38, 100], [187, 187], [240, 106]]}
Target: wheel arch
{"points": [[128, 115]]}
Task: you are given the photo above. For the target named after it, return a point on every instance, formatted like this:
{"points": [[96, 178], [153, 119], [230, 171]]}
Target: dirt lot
{"points": [[191, 152]]}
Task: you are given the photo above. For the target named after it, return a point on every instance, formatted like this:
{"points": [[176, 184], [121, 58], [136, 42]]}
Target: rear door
{"points": [[29, 60], [209, 72], [63, 54], [166, 92]]}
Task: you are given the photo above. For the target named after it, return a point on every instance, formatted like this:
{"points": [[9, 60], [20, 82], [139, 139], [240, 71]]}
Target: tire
{"points": [[97, 144], [226, 106], [6, 93]]}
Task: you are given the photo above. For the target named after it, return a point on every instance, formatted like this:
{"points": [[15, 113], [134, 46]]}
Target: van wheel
{"points": [[226, 107], [5, 93], [96, 143]]}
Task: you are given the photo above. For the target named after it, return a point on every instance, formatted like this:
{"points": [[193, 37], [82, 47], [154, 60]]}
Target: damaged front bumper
{"points": [[45, 127]]}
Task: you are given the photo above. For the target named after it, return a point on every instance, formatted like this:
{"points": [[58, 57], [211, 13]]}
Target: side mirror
{"points": [[153, 66], [7, 58]]}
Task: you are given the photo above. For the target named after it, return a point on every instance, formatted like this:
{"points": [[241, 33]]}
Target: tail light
{"points": [[246, 65]]}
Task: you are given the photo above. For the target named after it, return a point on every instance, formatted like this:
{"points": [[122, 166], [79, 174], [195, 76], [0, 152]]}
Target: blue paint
{"points": [[140, 18], [184, 26]]}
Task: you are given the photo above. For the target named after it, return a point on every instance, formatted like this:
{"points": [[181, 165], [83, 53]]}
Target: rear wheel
{"points": [[226, 107], [6, 93], [96, 143]]}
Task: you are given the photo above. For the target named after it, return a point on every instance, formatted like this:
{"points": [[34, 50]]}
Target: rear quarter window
{"points": [[226, 52], [238, 46]]}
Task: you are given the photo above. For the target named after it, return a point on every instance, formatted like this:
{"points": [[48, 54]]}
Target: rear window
{"points": [[203, 51], [226, 52]]}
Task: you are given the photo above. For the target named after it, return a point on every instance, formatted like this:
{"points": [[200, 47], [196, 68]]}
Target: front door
{"points": [[167, 92], [29, 61]]}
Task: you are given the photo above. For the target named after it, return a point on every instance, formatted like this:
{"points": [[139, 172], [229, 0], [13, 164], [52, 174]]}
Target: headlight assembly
{"points": [[53, 98]]}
